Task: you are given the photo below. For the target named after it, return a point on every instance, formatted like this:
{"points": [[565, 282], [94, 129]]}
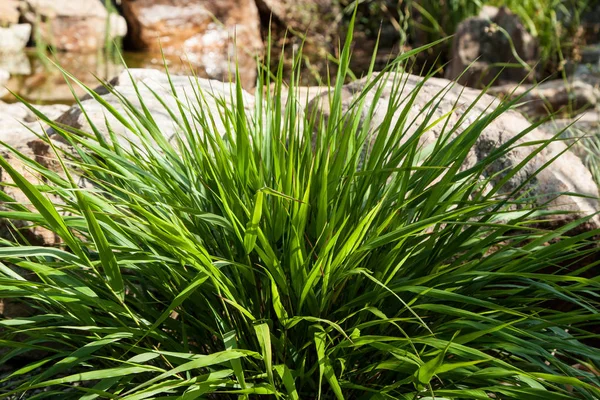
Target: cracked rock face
{"points": [[43, 154], [16, 126], [566, 174]]}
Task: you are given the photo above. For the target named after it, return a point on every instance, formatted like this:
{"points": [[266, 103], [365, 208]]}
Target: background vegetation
{"points": [[554, 23]]}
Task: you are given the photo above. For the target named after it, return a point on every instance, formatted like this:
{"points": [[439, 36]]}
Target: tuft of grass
{"points": [[278, 253]]}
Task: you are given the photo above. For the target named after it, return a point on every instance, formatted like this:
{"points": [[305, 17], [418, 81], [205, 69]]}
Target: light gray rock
{"points": [[15, 63], [555, 96], [566, 174], [14, 38], [484, 49], [117, 26], [18, 128], [17, 121], [149, 81]]}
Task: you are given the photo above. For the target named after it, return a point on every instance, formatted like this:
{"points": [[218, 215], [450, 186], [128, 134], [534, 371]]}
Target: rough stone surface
{"points": [[566, 174], [42, 153], [203, 31], [311, 16], [15, 124], [9, 12], [15, 64], [148, 81], [480, 46], [78, 26], [14, 38], [551, 97], [16, 120]]}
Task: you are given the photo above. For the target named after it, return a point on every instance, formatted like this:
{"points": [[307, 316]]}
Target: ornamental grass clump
{"points": [[276, 256]]}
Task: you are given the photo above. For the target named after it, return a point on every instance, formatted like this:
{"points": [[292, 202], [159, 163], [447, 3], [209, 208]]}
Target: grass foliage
{"points": [[277, 256]]}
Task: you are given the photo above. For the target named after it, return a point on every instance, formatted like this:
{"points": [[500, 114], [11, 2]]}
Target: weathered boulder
{"points": [[149, 81], [42, 153], [555, 96], [203, 31], [78, 26], [9, 12], [310, 16], [484, 49], [567, 174], [16, 125], [14, 38], [16, 120]]}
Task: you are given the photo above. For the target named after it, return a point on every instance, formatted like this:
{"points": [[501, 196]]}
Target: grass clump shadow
{"points": [[274, 252]]}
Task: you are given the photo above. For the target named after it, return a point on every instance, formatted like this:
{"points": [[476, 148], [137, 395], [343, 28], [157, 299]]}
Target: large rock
{"points": [[485, 50], [17, 121], [18, 128], [149, 81], [78, 26], [550, 97], [306, 16], [15, 64], [14, 38], [9, 12], [204, 31], [566, 175]]}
